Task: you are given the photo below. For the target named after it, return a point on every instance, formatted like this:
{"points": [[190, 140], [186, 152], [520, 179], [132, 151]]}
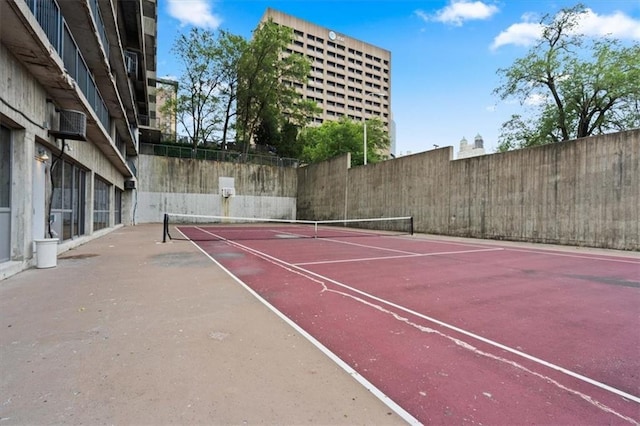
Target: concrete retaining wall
{"points": [[582, 192], [191, 186]]}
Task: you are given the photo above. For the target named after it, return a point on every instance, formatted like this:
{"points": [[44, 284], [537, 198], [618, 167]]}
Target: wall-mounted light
{"points": [[42, 155]]}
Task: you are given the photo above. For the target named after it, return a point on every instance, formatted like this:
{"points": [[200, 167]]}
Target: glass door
{"points": [[5, 194]]}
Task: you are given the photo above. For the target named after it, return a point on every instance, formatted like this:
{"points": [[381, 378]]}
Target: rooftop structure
{"points": [[474, 150]]}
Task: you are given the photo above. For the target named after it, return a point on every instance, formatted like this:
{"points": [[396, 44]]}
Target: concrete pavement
{"points": [[127, 330]]}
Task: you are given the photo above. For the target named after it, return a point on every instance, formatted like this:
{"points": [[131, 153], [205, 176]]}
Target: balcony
{"points": [[37, 34]]}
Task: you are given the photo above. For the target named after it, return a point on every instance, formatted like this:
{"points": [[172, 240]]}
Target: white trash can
{"points": [[46, 253]]}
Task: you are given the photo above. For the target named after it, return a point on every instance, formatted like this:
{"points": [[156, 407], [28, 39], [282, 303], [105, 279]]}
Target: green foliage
{"points": [[230, 50], [233, 89], [198, 85], [580, 86], [288, 144], [334, 138], [266, 85]]}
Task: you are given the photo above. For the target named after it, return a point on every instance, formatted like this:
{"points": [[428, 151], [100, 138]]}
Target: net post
{"points": [[411, 225], [165, 227]]}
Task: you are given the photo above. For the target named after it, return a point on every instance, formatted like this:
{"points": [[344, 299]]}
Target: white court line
{"points": [[401, 412], [521, 354], [368, 246], [543, 251], [366, 259], [551, 252], [379, 394], [578, 256]]}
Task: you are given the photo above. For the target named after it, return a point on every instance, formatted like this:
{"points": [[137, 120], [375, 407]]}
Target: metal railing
{"points": [[216, 155], [49, 16], [99, 22]]}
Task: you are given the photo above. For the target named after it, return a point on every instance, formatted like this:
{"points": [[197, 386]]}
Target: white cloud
{"points": [[521, 34], [536, 99], [422, 15], [591, 24], [459, 11], [194, 12], [617, 25]]}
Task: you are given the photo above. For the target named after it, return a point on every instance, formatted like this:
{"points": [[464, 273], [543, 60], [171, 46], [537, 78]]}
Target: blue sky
{"points": [[444, 53]]}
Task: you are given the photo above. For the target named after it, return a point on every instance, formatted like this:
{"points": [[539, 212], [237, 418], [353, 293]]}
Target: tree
{"points": [[582, 86], [267, 80], [231, 48], [334, 138], [288, 144], [195, 106]]}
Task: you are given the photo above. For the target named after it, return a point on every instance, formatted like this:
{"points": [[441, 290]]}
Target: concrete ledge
{"points": [[8, 269]]}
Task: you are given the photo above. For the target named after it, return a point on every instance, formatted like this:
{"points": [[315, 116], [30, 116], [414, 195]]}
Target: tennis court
{"points": [[451, 330]]}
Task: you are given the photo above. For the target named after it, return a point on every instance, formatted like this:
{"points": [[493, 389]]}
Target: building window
{"points": [[100, 204], [5, 168], [68, 199], [5, 194], [117, 207]]}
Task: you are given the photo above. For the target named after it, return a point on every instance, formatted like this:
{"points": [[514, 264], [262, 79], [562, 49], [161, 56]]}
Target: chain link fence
{"points": [[216, 155]]}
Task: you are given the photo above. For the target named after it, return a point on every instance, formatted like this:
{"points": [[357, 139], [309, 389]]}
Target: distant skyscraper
{"points": [[348, 77], [166, 91], [474, 150]]}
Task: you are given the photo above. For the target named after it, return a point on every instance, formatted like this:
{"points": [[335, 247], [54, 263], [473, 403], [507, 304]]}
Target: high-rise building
{"points": [[77, 82], [349, 77], [166, 120]]}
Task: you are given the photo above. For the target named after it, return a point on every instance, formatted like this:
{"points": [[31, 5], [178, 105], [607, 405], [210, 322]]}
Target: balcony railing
{"points": [[49, 16], [47, 13], [97, 16]]}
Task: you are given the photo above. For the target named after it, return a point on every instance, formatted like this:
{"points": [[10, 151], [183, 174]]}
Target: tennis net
{"points": [[192, 227]]}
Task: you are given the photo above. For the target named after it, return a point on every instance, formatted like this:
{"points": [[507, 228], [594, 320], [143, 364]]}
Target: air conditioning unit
{"points": [[228, 192], [70, 124], [129, 184], [131, 63]]}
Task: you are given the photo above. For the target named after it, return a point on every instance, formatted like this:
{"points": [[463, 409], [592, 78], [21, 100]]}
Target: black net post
{"points": [[165, 228], [411, 225]]}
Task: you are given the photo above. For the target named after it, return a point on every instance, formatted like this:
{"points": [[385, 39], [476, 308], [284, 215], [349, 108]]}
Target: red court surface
{"points": [[460, 331]]}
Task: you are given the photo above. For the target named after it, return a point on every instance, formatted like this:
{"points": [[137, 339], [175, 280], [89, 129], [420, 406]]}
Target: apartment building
{"points": [[77, 81], [349, 77]]}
